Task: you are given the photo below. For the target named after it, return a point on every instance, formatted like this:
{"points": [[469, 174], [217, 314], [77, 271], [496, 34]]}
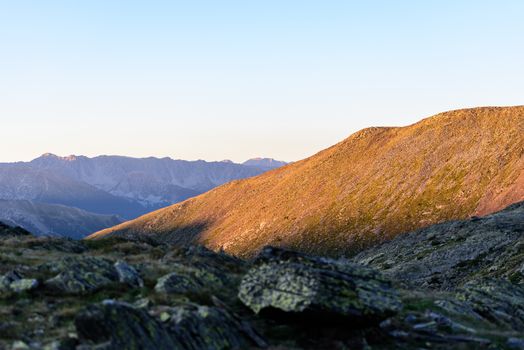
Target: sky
{"points": [[239, 79]]}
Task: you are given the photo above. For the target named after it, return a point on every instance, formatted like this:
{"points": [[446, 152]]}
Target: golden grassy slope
{"points": [[377, 183]]}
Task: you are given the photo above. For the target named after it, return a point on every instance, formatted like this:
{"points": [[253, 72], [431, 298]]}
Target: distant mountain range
{"points": [[110, 185], [264, 163], [53, 219], [374, 185]]}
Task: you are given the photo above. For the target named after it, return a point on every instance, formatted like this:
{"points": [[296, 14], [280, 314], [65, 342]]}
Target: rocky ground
{"points": [[457, 285]]}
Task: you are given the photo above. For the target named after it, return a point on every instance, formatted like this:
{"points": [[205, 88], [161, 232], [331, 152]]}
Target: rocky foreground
{"points": [[458, 285]]}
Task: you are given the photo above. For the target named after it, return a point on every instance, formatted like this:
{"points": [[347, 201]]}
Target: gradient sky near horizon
{"points": [[233, 80]]}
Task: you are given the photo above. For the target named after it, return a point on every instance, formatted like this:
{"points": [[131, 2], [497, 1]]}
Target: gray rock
{"points": [[82, 275], [296, 283], [498, 301], [188, 279], [128, 274]]}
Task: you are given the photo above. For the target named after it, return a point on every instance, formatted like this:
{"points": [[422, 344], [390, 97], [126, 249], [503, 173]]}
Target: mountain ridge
{"points": [[377, 183], [169, 180]]}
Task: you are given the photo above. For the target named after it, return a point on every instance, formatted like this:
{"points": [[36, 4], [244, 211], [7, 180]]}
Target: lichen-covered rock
{"points": [[127, 274], [8, 278], [498, 301], [115, 325], [13, 282], [82, 275], [294, 282], [79, 275], [188, 279], [24, 285], [202, 327]]}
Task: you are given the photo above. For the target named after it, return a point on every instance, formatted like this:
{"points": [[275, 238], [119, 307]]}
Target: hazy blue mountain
{"points": [[152, 182], [53, 219], [264, 163], [116, 185], [21, 181]]}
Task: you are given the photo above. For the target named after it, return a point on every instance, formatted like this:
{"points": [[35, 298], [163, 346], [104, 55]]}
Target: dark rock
{"points": [[128, 274], [8, 278], [515, 343], [202, 327], [459, 308], [498, 301], [188, 279], [116, 325], [296, 283], [62, 344]]}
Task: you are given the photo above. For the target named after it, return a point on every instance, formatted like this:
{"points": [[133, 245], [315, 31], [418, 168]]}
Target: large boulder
{"points": [[116, 325], [291, 282]]}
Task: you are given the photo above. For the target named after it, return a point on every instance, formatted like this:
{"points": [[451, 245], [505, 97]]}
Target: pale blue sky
{"points": [[238, 79]]}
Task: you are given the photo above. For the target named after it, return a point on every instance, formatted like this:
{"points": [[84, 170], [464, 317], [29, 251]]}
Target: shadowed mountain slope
{"points": [[375, 184], [450, 254]]}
